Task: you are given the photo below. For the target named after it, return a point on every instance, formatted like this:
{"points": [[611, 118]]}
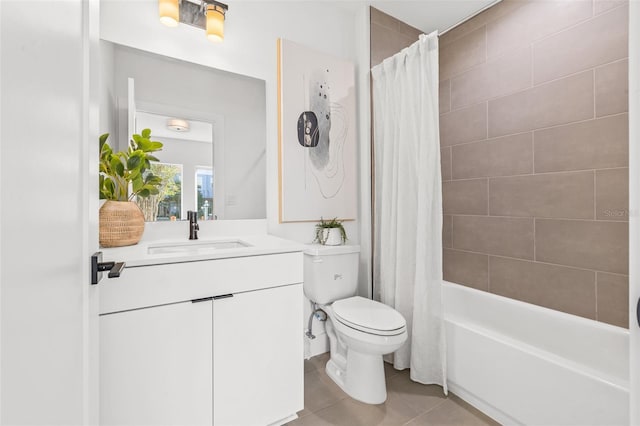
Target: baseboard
{"points": [[317, 346], [285, 420]]}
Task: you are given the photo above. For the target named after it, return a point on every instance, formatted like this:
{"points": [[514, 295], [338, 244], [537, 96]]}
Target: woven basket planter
{"points": [[121, 224]]}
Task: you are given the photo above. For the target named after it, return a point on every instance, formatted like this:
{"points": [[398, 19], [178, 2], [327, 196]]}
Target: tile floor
{"points": [[408, 403]]}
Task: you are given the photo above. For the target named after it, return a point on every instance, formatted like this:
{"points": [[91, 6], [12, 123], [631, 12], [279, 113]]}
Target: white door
{"points": [[157, 368], [634, 209], [48, 160], [257, 356]]}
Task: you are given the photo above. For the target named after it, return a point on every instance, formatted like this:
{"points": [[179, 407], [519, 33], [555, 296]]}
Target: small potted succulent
{"points": [[330, 232], [125, 175]]}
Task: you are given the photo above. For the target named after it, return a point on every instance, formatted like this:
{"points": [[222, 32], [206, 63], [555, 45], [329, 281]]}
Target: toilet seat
{"points": [[369, 316]]}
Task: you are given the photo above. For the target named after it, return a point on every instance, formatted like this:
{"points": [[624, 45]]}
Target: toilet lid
{"points": [[368, 316]]}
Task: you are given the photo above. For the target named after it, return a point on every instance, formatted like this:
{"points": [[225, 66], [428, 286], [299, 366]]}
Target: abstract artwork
{"points": [[317, 135]]}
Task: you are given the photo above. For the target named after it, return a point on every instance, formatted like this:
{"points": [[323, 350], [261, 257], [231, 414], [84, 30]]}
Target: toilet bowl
{"points": [[357, 345], [360, 330]]}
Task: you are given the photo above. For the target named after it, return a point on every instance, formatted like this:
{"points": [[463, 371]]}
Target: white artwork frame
{"points": [[316, 135]]}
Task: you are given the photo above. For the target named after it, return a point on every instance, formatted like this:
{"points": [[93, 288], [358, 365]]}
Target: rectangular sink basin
{"points": [[197, 247]]}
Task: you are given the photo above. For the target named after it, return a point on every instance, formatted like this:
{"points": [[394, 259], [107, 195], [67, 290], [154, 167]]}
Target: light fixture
{"points": [[177, 125], [169, 12], [208, 15], [215, 21]]}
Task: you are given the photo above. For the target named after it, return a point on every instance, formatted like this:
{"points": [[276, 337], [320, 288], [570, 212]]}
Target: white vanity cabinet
{"points": [[257, 356], [155, 366], [213, 342]]}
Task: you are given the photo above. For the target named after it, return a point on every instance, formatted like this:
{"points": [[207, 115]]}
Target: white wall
{"points": [[108, 103], [251, 31], [48, 224]]}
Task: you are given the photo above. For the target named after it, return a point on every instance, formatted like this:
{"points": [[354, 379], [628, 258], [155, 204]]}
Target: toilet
{"points": [[360, 330]]}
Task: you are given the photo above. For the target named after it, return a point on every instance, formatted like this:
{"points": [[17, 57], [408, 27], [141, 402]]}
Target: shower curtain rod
{"points": [[469, 17]]}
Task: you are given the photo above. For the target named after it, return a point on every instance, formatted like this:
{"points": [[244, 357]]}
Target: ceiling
{"points": [[426, 15], [430, 15]]}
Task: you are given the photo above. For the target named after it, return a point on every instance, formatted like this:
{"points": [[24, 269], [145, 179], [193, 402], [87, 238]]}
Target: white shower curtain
{"points": [[408, 204]]}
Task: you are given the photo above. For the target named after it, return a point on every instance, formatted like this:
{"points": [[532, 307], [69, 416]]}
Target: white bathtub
{"points": [[524, 364]]}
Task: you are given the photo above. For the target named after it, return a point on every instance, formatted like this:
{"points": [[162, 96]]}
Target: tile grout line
{"points": [[486, 111], [578, 23], [606, 64], [533, 152], [486, 44], [537, 217], [571, 123], [506, 52], [536, 261], [595, 196], [534, 240], [450, 94], [557, 172], [451, 162], [469, 68], [593, 75], [532, 70], [451, 232], [488, 197], [489, 274], [596, 298], [533, 84], [427, 411], [328, 406]]}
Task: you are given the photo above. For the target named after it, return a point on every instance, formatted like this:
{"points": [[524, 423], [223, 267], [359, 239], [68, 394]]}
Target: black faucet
{"points": [[193, 224]]}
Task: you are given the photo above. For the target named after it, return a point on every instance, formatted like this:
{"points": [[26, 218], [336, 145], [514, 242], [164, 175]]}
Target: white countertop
{"points": [[138, 255]]}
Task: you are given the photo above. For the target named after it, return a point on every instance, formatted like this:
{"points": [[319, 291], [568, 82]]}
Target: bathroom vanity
{"points": [[203, 334]]}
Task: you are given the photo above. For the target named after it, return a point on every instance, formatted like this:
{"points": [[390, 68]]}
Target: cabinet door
{"points": [[257, 356], [155, 366]]}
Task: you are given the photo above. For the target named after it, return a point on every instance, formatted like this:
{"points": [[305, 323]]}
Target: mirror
{"points": [[212, 124]]}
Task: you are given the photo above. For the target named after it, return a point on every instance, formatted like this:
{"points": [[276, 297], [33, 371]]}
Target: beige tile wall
{"points": [[388, 36], [534, 137]]}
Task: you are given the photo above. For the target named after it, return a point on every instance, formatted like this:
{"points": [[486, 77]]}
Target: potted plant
{"points": [[125, 175], [330, 232]]}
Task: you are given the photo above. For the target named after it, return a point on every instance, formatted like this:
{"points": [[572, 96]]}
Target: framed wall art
{"points": [[317, 135]]}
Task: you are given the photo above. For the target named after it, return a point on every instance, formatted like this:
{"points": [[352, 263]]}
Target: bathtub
{"points": [[524, 364]]}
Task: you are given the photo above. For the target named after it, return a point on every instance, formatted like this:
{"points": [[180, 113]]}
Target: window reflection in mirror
{"points": [[188, 180], [204, 193], [167, 204]]}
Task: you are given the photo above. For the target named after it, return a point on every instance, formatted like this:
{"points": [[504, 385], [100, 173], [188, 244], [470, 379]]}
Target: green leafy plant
{"points": [[326, 224], [119, 169]]}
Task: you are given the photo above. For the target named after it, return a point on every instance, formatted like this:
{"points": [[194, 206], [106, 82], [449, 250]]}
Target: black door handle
{"points": [[98, 267], [638, 312], [114, 268]]}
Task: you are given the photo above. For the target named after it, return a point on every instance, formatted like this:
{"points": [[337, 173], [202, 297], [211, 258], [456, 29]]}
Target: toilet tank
{"points": [[330, 272]]}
